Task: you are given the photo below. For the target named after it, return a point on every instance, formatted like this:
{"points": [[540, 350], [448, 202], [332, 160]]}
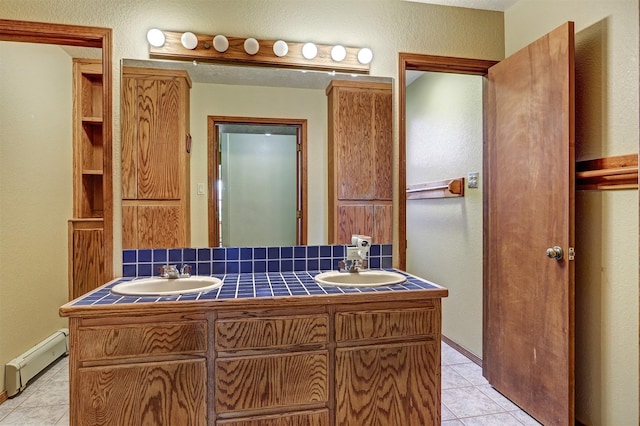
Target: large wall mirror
{"points": [[256, 92]]}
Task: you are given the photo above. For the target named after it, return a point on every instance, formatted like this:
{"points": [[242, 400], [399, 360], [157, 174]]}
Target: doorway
{"points": [[527, 301], [257, 181]]}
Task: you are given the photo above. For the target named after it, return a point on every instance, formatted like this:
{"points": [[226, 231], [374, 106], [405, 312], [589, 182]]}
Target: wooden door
{"points": [[528, 347]]}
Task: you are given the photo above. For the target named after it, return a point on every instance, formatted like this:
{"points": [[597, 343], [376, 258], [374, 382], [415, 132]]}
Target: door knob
{"points": [[555, 252]]}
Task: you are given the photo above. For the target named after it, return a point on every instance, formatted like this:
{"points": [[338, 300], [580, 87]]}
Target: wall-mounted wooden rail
{"points": [[619, 172], [448, 188]]}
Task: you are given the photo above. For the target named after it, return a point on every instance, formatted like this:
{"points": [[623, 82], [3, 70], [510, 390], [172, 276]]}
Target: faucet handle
{"points": [[186, 270]]}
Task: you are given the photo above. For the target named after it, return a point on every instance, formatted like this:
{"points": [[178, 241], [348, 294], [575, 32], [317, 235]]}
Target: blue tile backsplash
{"points": [[234, 260]]}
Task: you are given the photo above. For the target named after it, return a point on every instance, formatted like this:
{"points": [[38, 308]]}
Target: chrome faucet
{"points": [[357, 256], [172, 272]]}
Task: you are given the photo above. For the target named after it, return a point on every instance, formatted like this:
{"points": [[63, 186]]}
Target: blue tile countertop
{"points": [[255, 287]]}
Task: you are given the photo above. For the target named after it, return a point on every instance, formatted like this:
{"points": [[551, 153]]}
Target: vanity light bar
{"points": [[265, 54]]}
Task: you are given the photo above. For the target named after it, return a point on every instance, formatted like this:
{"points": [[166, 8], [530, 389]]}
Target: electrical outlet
{"points": [[472, 179]]}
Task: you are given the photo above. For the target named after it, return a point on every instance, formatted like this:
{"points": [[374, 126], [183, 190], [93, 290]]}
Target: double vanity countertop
{"points": [[264, 290]]}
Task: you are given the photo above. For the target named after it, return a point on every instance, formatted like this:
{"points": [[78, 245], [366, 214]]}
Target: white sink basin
{"points": [[368, 278], [157, 286]]}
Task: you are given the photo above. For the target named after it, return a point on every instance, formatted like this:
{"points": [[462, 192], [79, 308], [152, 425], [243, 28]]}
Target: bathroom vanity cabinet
{"points": [[155, 158], [360, 161], [348, 359]]}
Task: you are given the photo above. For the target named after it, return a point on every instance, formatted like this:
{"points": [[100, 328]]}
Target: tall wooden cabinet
{"points": [[155, 158], [360, 161], [86, 229]]}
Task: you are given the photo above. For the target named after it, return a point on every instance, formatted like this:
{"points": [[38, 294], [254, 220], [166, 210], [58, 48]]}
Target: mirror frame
{"points": [[81, 36]]}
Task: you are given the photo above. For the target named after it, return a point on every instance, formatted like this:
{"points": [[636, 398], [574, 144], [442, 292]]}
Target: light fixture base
{"points": [[265, 56]]}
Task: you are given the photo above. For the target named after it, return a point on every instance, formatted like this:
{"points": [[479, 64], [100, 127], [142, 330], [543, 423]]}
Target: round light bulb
{"points": [[280, 48], [189, 40], [338, 53], [309, 50], [155, 37], [220, 43], [365, 55], [251, 46]]}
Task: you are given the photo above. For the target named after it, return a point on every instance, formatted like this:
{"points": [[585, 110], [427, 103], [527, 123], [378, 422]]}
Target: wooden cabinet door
{"points": [[374, 219], [154, 393], [154, 224], [154, 127], [528, 344], [383, 145], [394, 384], [86, 256], [354, 157]]}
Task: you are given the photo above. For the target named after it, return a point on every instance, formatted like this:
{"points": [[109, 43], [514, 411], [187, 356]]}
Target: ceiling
{"points": [[499, 5]]}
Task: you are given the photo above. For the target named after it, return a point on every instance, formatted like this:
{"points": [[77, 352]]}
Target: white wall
{"points": [[35, 193], [606, 222], [259, 197], [261, 102], [444, 236]]}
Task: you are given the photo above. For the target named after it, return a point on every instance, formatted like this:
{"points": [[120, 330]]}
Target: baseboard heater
{"points": [[20, 370]]}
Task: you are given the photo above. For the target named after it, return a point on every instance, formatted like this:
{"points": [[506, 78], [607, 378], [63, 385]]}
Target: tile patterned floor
{"points": [[467, 398]]}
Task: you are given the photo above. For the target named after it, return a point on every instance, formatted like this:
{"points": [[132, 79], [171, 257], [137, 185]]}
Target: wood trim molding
{"points": [[620, 172], [473, 357], [418, 62], [76, 35]]}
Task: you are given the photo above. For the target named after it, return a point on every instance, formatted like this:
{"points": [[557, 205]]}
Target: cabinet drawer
{"points": [[127, 341], [303, 418], [273, 332], [387, 324], [282, 380]]}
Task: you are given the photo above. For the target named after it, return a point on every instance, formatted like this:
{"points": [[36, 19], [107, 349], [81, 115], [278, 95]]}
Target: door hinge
{"points": [[572, 253], [298, 214]]}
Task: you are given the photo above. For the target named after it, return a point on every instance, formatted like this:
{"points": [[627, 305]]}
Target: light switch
{"points": [[472, 179], [200, 189]]}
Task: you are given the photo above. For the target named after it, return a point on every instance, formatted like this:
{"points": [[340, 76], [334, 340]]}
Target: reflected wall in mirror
{"points": [[237, 91], [257, 171]]}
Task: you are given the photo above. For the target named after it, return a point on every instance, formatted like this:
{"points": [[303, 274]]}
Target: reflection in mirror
{"points": [[259, 183], [237, 91]]}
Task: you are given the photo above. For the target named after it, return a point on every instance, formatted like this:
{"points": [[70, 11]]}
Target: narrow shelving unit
{"points": [[86, 228]]}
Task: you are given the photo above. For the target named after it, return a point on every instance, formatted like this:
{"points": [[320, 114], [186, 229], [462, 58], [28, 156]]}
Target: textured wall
{"points": [[444, 236], [606, 222], [35, 193]]}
